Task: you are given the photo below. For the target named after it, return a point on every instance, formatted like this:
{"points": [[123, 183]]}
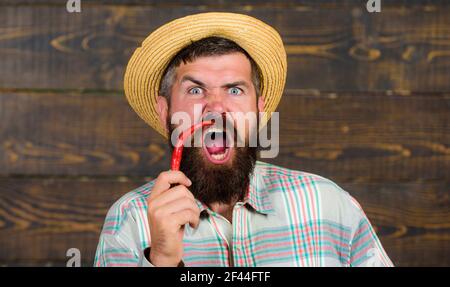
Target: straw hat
{"points": [[147, 64]]}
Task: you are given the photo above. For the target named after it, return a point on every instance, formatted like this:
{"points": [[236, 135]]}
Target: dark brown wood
{"points": [[366, 137], [330, 47], [218, 3], [40, 219], [367, 105]]}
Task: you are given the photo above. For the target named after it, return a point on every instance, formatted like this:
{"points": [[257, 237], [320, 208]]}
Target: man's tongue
{"points": [[215, 144]]}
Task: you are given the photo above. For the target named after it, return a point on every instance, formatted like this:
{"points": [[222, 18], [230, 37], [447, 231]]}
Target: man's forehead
{"points": [[230, 66]]}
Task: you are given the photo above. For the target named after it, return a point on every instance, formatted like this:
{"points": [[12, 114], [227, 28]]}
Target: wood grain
{"points": [[366, 137], [217, 3], [41, 218], [367, 105], [405, 48]]}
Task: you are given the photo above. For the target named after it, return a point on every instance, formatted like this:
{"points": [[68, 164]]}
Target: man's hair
{"points": [[210, 46]]}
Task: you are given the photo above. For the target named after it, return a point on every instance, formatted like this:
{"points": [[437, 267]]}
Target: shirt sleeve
{"points": [[365, 247], [113, 252], [125, 237], [120, 243]]}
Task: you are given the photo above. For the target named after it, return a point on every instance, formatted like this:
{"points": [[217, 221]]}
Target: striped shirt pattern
{"points": [[288, 218]]}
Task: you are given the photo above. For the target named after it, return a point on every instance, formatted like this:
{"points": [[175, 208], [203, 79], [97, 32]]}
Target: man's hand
{"points": [[169, 209]]}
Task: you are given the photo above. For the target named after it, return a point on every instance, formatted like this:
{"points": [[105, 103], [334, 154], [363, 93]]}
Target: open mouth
{"points": [[215, 145]]}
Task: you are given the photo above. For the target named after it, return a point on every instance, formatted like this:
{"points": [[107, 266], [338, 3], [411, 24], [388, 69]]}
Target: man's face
{"points": [[219, 85]]}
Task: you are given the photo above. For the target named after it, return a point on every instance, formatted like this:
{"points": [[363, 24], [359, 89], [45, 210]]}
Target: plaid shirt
{"points": [[289, 218]]}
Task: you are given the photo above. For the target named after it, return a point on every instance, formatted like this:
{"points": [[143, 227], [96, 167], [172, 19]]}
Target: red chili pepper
{"points": [[178, 149]]}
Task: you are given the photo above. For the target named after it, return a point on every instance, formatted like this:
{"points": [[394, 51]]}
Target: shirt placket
{"points": [[233, 247], [236, 246], [223, 240]]}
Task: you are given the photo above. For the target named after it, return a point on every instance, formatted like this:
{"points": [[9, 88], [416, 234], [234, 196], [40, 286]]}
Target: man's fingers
{"points": [[166, 178], [180, 204], [176, 192], [187, 216]]}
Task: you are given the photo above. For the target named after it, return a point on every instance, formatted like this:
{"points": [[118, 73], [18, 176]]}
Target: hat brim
{"points": [[148, 63]]}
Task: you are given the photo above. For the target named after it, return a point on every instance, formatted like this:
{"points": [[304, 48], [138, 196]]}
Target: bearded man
{"points": [[224, 207]]}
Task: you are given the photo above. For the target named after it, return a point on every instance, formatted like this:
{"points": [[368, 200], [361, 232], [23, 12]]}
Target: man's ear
{"points": [[163, 110], [260, 104]]}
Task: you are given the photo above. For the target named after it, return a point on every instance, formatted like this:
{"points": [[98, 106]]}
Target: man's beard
{"points": [[222, 183]]}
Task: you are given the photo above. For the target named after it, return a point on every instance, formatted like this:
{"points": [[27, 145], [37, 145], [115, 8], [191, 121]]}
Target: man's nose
{"points": [[215, 102]]}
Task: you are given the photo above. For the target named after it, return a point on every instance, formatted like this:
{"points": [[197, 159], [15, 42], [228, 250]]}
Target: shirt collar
{"points": [[257, 195]]}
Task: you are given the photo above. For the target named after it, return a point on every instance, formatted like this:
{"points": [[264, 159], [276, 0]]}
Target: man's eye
{"points": [[195, 91], [235, 91]]}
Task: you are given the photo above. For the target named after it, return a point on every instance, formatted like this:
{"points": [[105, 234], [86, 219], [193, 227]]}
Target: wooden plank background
{"points": [[367, 104]]}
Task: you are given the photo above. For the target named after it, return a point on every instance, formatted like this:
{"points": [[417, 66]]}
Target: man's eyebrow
{"points": [[200, 83], [234, 84], [189, 78]]}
